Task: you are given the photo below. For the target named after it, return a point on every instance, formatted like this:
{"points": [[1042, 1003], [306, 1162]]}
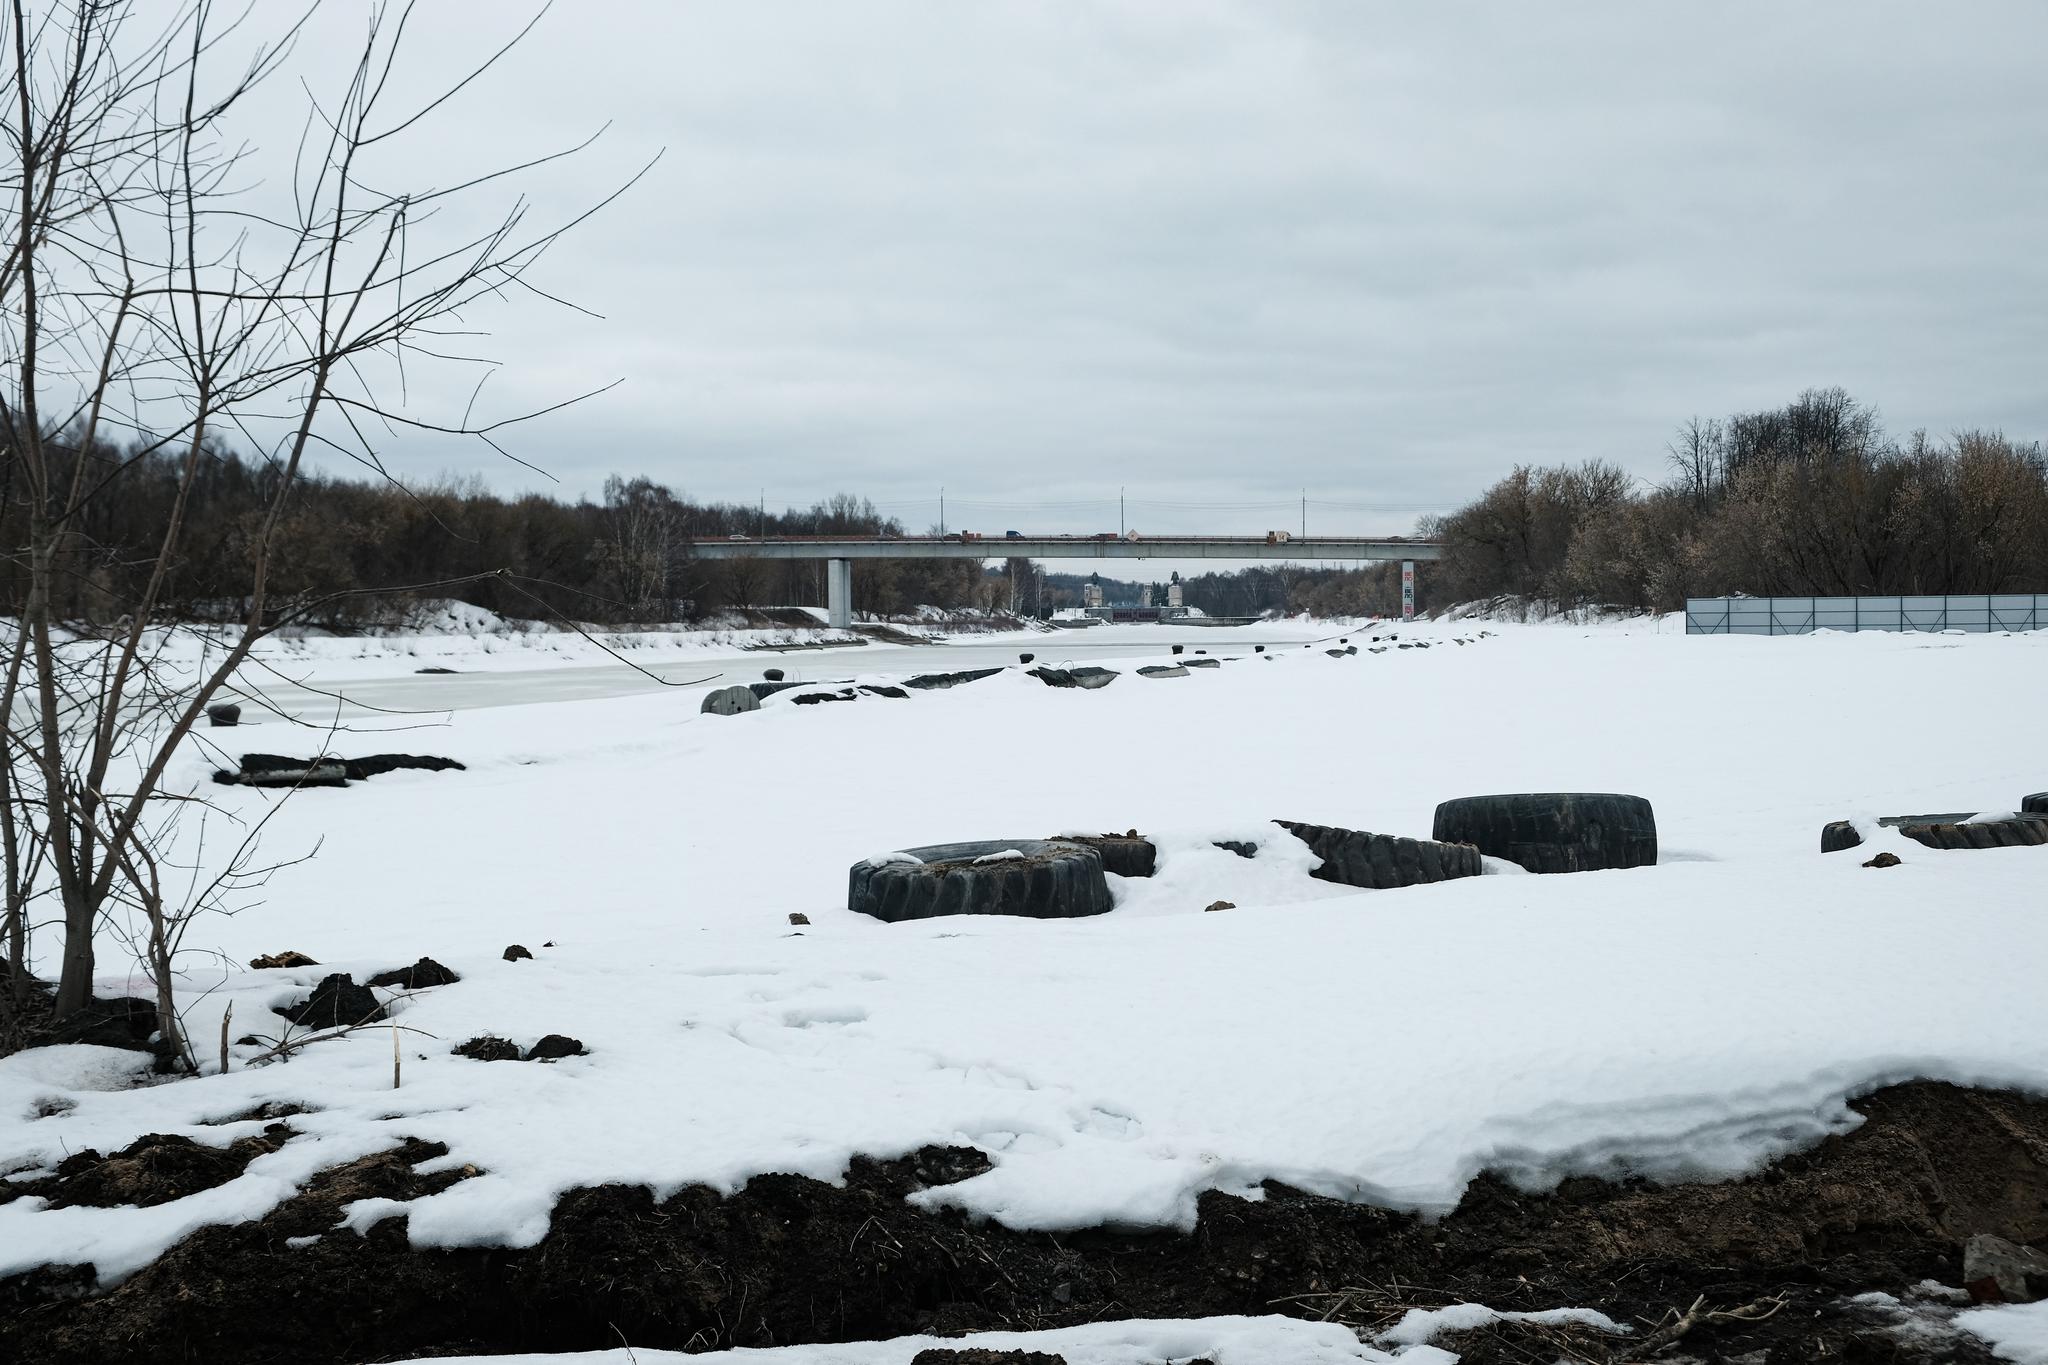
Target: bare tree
{"points": [[148, 294], [642, 546]]}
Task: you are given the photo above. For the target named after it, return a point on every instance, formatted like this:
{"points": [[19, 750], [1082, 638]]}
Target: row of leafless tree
{"points": [[352, 543], [1812, 498], [170, 283]]}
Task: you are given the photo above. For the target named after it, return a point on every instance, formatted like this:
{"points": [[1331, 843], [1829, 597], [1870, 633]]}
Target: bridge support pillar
{"points": [[839, 593]]}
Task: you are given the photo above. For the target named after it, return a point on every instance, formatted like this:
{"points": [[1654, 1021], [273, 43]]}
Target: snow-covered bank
{"points": [[1686, 1019], [1224, 1341]]}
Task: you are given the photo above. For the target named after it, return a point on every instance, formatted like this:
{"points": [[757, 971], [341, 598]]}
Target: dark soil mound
{"points": [[337, 1002], [488, 1048], [1771, 1261], [554, 1047], [154, 1169], [422, 974], [121, 1021]]}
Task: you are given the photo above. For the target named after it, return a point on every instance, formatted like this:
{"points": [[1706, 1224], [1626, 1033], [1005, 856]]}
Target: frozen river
{"points": [[353, 698]]}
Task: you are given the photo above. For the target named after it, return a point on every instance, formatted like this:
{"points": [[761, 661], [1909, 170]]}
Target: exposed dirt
{"points": [[1765, 1265], [156, 1168], [488, 1047], [26, 1010]]}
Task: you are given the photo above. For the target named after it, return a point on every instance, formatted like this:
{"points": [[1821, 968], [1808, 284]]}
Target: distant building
{"points": [[1173, 595], [1091, 594]]}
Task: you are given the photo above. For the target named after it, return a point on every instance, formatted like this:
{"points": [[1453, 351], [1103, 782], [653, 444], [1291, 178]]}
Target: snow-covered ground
{"points": [[1688, 1019], [2015, 1332], [1225, 1341]]}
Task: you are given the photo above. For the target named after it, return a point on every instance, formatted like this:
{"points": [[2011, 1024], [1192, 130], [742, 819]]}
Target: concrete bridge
{"points": [[840, 551]]}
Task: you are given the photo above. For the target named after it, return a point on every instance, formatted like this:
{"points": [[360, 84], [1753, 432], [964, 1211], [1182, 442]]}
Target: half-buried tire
{"points": [[1381, 862], [2024, 830], [1125, 855], [1033, 878], [2037, 804], [2021, 831], [1554, 831]]}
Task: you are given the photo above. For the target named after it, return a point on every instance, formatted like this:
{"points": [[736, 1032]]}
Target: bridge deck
{"points": [[1068, 547]]}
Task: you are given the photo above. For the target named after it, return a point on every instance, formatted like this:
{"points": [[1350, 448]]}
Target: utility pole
{"points": [[942, 509], [1304, 514], [761, 525], [1119, 514]]}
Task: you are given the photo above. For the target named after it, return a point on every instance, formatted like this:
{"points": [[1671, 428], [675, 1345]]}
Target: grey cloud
{"points": [[1223, 250]]}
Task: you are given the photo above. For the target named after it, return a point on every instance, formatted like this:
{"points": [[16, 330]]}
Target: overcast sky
{"points": [[1219, 251]]}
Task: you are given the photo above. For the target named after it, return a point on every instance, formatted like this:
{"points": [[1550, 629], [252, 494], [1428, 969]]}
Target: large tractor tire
{"points": [[2019, 832], [2037, 804], [1381, 862], [1554, 831], [2024, 830], [1052, 879]]}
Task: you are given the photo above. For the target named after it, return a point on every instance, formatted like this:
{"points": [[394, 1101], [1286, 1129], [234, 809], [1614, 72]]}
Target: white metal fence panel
{"points": [[1803, 615]]}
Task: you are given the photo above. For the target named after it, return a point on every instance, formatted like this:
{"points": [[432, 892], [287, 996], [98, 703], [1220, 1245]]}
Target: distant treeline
{"points": [[1811, 498], [1814, 497]]}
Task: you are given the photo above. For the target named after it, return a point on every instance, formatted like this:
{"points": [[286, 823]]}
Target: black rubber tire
{"points": [[818, 698], [2020, 832], [1053, 880], [1127, 855], [925, 682], [2037, 804], [1162, 671], [1381, 862], [733, 700], [359, 769], [1838, 836], [275, 770], [1554, 831], [1054, 677]]}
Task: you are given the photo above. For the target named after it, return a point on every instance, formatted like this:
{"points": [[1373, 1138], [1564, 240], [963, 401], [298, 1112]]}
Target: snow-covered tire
{"points": [[2019, 832], [730, 701], [926, 682], [1838, 836], [1126, 855], [1053, 880], [1554, 831], [1381, 862]]}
